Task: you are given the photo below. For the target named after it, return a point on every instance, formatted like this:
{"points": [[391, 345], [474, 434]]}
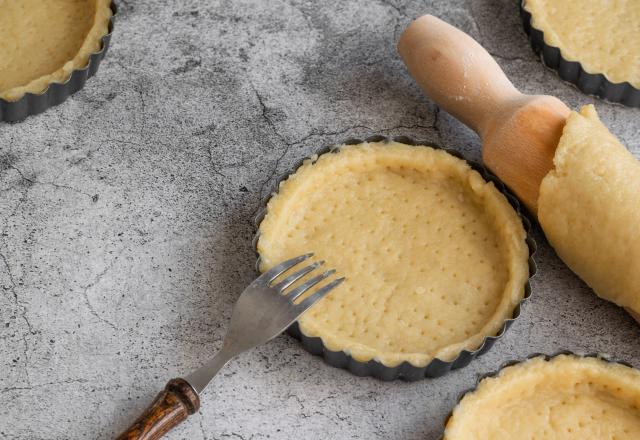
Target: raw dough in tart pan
{"points": [[565, 398], [43, 41], [435, 257], [602, 35]]}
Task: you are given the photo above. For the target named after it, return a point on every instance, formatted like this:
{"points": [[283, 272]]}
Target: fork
{"points": [[263, 311]]}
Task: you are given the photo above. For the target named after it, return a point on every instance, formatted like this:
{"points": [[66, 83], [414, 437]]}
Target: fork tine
{"points": [[308, 284], [275, 271], [319, 294], [296, 276]]}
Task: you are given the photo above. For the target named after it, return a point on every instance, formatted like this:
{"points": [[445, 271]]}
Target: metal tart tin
{"points": [[57, 93], [595, 84], [510, 363], [405, 370]]}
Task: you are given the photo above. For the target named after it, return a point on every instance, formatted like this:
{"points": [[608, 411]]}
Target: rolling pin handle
{"points": [[456, 72]]}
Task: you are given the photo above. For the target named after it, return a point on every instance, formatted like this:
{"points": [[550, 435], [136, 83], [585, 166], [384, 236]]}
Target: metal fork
{"points": [[263, 311]]}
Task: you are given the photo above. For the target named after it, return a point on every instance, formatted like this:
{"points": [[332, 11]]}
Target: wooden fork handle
{"points": [[171, 407]]}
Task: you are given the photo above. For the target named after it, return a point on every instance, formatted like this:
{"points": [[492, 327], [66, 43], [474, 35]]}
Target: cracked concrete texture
{"points": [[126, 218]]}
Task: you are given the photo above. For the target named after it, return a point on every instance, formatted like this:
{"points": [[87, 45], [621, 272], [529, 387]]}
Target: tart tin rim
{"points": [[405, 370], [593, 84], [58, 92], [512, 362]]}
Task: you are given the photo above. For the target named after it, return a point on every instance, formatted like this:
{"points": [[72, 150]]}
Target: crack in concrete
{"points": [[297, 399], [52, 184], [273, 171], [214, 165], [11, 278], [88, 156], [272, 125], [481, 40], [472, 14], [9, 188], [40, 385], [265, 110], [236, 435], [332, 133], [204, 434], [324, 399], [143, 108], [21, 306], [399, 15], [211, 129], [436, 121], [85, 292], [512, 58], [23, 315]]}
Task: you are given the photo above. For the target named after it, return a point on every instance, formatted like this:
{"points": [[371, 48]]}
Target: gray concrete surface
{"points": [[125, 218]]}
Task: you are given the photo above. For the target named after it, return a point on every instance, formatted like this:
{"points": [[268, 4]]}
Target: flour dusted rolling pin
{"points": [[566, 167]]}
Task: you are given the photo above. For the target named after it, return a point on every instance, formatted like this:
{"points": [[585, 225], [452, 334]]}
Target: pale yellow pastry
{"points": [[589, 208], [602, 35], [435, 257], [43, 41], [566, 398]]}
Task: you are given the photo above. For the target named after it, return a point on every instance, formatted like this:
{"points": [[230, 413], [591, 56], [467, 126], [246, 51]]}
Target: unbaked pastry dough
{"points": [[566, 398], [435, 257], [602, 35], [43, 41], [589, 208]]}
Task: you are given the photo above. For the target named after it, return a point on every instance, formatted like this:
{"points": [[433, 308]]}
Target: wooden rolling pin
{"points": [[519, 132]]}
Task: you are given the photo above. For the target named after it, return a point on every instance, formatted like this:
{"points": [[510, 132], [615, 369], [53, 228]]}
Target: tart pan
{"points": [[405, 370], [57, 93], [595, 84], [516, 362]]}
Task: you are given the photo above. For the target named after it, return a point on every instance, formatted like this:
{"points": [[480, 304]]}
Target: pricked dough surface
{"points": [[589, 208], [600, 34], [43, 41], [566, 398], [435, 257]]}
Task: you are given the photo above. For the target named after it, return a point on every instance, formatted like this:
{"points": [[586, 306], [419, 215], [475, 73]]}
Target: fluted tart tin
{"points": [[56, 93], [511, 363], [594, 84], [405, 370]]}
